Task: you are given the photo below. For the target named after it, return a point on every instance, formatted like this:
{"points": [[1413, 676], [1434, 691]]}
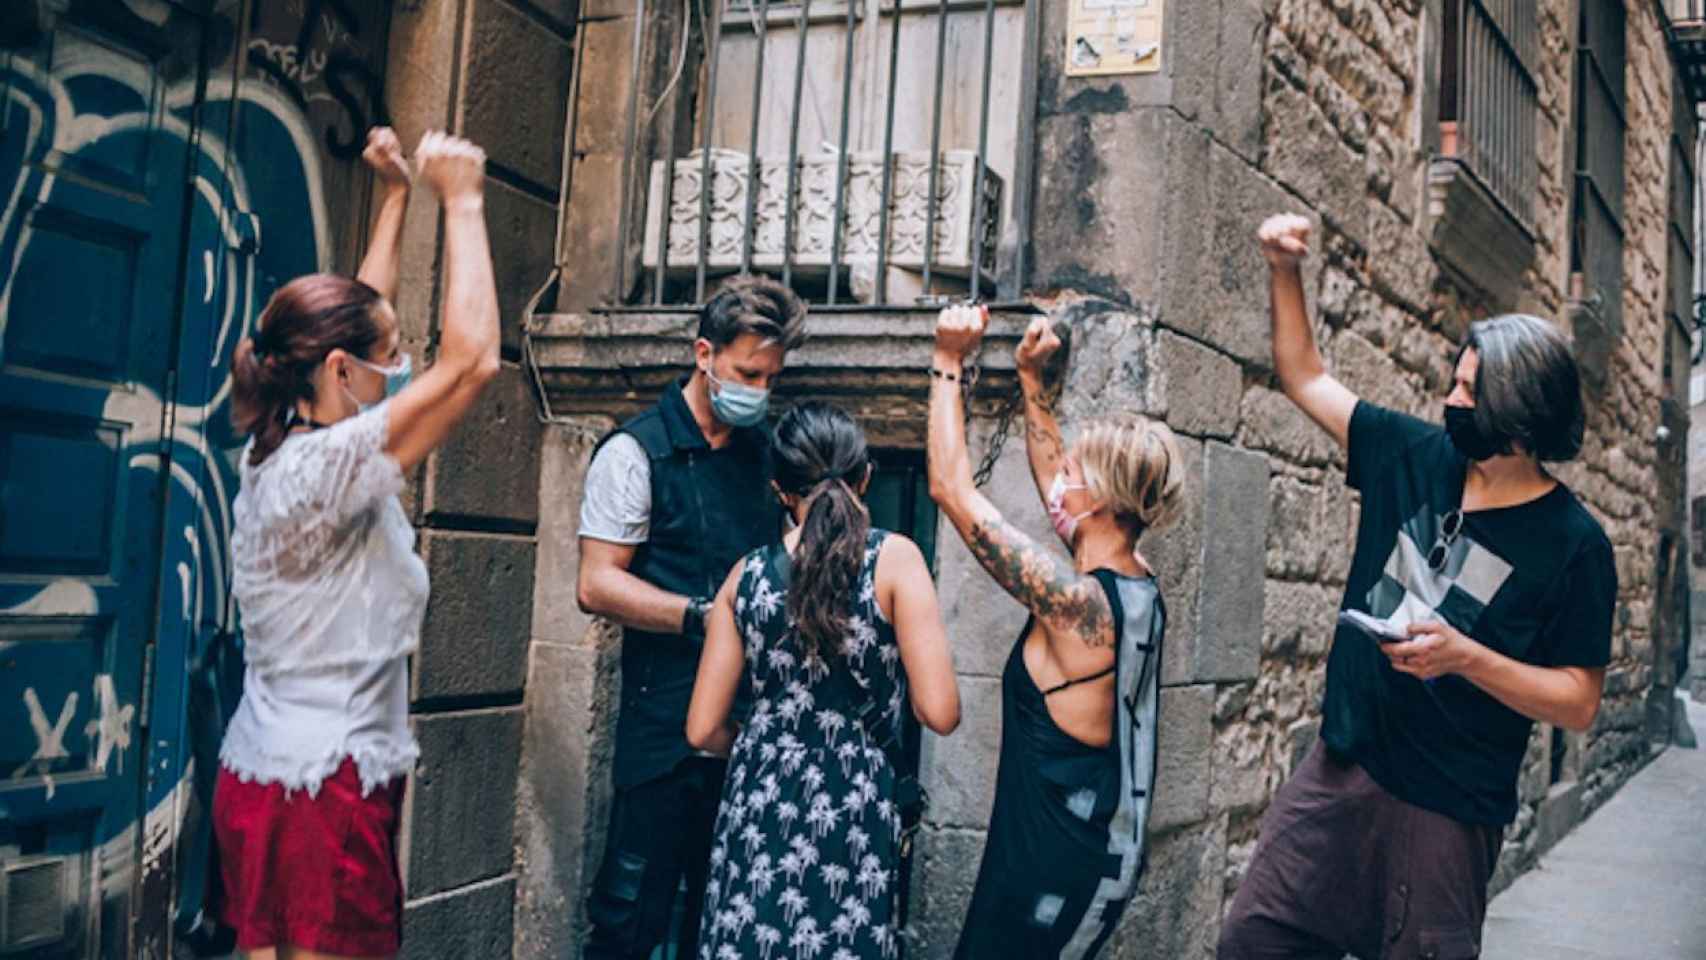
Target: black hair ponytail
{"points": [[821, 455]]}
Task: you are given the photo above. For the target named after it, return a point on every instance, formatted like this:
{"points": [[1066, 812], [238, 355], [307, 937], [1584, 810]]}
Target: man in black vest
{"points": [[674, 498]]}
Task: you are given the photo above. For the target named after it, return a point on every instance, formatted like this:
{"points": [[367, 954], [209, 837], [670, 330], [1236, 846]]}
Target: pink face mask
{"points": [[1065, 523]]}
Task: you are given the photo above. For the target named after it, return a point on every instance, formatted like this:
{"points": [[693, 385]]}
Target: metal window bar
{"points": [[883, 234], [652, 156], [1498, 99], [671, 95], [793, 143], [979, 240], [630, 138], [713, 46], [841, 166], [931, 201], [753, 179]]}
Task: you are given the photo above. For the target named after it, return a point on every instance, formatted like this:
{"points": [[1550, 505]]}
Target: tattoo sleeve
{"points": [[1047, 442], [1048, 586]]}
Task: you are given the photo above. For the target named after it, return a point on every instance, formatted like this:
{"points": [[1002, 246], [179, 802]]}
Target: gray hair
{"points": [[1528, 390]]}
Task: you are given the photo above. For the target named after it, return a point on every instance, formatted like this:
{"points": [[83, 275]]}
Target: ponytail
{"points": [[306, 319], [827, 569], [260, 398], [821, 456]]}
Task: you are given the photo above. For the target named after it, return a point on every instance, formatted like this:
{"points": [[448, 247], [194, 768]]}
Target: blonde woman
{"points": [[1079, 692]]}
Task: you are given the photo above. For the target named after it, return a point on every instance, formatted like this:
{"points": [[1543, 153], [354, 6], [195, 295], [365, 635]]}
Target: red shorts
{"points": [[318, 873]]}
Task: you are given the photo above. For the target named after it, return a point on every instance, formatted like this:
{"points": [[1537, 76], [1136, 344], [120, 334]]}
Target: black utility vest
{"points": [[710, 508]]}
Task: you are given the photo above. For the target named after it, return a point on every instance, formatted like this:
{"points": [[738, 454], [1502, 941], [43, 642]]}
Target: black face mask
{"points": [[1467, 437]]}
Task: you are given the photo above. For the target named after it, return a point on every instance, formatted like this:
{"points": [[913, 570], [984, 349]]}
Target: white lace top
{"points": [[331, 595]]}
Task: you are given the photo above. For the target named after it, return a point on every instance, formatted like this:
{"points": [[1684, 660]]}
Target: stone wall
{"points": [[1149, 190], [498, 73], [1154, 186]]}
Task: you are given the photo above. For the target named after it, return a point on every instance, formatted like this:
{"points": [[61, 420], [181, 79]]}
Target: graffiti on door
{"points": [[233, 173]]}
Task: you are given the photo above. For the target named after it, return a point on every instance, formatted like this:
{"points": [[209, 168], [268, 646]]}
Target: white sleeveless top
{"points": [[331, 595]]}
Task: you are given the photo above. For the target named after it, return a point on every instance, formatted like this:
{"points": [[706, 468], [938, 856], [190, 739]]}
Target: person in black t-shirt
{"points": [[1479, 600]]}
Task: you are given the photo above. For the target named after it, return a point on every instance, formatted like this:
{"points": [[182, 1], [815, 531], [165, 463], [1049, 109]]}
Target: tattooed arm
{"points": [[1069, 605], [1043, 445]]}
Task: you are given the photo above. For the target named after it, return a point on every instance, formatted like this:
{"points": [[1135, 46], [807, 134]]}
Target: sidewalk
{"points": [[1628, 884]]}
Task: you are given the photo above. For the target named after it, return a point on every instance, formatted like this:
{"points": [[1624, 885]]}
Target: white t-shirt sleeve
{"points": [[617, 506]]}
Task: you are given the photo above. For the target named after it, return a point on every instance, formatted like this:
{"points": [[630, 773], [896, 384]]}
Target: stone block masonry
{"points": [[1149, 190], [495, 71], [1342, 133]]}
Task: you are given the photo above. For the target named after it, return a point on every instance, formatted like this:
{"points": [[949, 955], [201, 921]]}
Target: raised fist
{"points": [[959, 331], [451, 166], [1285, 240], [1039, 343], [384, 153]]}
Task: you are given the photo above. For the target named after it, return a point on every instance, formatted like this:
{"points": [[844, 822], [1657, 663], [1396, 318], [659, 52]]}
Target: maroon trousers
{"points": [[1342, 867]]}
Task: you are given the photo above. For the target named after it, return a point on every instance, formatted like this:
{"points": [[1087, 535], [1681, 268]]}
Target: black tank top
{"points": [[1065, 834]]}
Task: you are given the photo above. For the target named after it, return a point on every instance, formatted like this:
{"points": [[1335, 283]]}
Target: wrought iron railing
{"points": [[845, 146], [1491, 104]]}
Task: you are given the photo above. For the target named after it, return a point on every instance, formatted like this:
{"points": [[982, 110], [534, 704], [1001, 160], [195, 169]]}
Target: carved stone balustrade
{"points": [[957, 247]]}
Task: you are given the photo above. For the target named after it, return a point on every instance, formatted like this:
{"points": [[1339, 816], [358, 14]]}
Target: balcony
{"points": [[865, 152], [1687, 33], [837, 210]]}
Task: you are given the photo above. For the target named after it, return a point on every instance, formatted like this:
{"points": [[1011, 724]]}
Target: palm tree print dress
{"points": [[806, 850]]}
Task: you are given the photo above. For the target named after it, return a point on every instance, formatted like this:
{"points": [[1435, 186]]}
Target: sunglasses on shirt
{"points": [[1450, 526]]}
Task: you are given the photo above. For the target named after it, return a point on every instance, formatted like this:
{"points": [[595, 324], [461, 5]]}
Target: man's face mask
{"points": [[737, 404]]}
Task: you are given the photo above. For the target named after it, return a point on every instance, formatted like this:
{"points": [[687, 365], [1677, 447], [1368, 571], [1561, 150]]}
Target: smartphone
{"points": [[1379, 630]]}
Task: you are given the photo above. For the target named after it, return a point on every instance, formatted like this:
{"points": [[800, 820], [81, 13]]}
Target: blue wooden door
{"points": [[93, 165]]}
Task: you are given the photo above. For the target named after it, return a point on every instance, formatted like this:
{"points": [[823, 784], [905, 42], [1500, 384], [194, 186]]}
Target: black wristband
{"points": [[693, 618]]}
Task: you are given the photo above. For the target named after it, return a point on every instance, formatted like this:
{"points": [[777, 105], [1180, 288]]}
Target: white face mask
{"points": [[1065, 524]]}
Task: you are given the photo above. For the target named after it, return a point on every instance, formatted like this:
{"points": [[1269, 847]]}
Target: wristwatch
{"points": [[693, 618]]}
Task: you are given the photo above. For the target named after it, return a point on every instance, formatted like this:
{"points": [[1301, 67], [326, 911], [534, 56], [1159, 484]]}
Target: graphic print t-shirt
{"points": [[1535, 582]]}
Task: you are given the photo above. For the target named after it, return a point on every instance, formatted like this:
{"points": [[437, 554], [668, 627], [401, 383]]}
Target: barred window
{"points": [[1680, 266], [1596, 246], [865, 152], [1488, 97]]}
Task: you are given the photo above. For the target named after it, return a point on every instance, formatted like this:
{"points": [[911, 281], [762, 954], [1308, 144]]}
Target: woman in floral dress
{"points": [[837, 619]]}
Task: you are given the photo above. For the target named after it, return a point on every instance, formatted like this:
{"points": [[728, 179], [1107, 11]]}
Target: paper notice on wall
{"points": [[1113, 36]]}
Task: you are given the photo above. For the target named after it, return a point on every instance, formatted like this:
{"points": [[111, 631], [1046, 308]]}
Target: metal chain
{"points": [[997, 440], [1004, 416]]}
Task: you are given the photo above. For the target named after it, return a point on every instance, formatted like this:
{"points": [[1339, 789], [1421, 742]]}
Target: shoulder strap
{"points": [[1110, 582]]}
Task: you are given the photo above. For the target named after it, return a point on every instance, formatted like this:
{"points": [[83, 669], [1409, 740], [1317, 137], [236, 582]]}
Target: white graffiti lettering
{"points": [[304, 71], [50, 740], [111, 730]]}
